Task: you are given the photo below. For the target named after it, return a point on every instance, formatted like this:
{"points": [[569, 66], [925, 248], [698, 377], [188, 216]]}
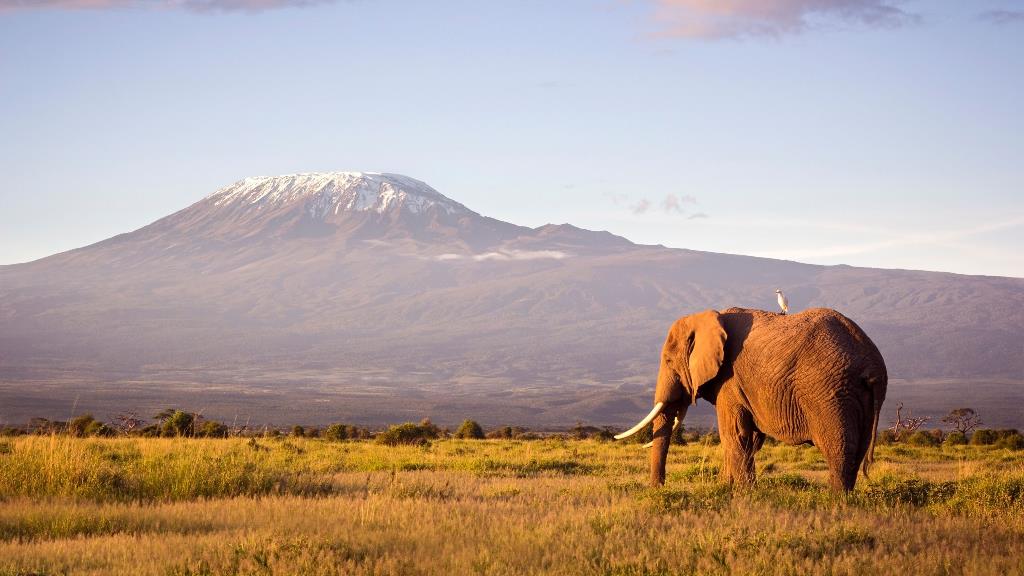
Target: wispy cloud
{"points": [[716, 19], [190, 5], [504, 256], [939, 238], [672, 204], [641, 206], [1002, 16]]}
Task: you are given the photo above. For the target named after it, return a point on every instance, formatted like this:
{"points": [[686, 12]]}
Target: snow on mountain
{"points": [[334, 192]]}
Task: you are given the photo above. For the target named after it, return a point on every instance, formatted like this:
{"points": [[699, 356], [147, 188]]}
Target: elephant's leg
{"points": [[740, 438]]}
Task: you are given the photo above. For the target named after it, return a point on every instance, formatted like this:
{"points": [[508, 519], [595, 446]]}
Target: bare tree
{"points": [[128, 422], [905, 427], [963, 419]]}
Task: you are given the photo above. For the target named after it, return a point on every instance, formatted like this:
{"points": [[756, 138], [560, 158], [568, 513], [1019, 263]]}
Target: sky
{"points": [[865, 132]]}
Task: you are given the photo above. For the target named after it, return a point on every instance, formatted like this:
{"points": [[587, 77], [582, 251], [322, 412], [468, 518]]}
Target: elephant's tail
{"points": [[877, 387]]}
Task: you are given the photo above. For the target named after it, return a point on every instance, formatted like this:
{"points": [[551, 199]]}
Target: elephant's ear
{"points": [[707, 351]]}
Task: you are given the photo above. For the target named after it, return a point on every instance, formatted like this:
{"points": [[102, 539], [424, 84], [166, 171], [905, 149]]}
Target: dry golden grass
{"points": [[179, 506]]}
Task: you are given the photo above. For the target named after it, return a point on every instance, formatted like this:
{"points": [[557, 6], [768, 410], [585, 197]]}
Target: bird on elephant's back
{"points": [[813, 377]]}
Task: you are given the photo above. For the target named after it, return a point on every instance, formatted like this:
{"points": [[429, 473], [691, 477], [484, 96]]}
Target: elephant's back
{"points": [[834, 338], [821, 334]]}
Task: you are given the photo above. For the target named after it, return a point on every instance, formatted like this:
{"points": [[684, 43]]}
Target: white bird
{"points": [[783, 302]]}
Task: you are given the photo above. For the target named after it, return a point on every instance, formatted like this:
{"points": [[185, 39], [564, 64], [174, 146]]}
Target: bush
{"points": [[179, 423], [581, 432], [955, 439], [983, 437], [1014, 442], [298, 431], [211, 429], [86, 425], [691, 437], [509, 432], [470, 430], [887, 437], [922, 438], [338, 432], [408, 433]]}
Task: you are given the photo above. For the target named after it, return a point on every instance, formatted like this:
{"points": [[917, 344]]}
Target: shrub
{"points": [[956, 438], [712, 438], [86, 425], [983, 437], [691, 437], [212, 429], [179, 423], [581, 432], [1014, 442], [408, 433], [429, 429], [470, 430], [339, 432], [508, 432], [922, 438], [887, 436], [298, 431]]}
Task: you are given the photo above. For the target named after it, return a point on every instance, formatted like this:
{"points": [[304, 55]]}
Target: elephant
{"points": [[808, 378]]}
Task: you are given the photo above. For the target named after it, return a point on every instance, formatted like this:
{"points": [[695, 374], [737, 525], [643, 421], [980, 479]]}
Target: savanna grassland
{"points": [[178, 506]]}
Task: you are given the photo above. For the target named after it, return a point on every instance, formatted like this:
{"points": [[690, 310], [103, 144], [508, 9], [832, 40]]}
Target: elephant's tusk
{"points": [[644, 422], [674, 426]]}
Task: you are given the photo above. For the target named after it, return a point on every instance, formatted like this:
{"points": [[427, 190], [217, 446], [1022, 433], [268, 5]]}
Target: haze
{"points": [[866, 132]]}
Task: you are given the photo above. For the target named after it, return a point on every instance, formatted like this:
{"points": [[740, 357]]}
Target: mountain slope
{"points": [[364, 296]]}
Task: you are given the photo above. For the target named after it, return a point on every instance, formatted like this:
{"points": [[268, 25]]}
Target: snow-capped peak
{"points": [[323, 193]]}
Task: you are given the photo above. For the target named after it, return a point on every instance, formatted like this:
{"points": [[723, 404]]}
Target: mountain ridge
{"points": [[439, 308]]}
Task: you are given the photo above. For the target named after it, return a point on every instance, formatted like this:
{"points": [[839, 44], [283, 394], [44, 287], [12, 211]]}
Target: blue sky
{"points": [[865, 132]]}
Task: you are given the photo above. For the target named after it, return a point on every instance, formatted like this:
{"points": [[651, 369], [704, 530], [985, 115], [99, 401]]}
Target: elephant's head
{"points": [[691, 357]]}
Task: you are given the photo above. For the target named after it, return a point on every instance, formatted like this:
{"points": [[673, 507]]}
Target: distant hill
{"points": [[372, 297]]}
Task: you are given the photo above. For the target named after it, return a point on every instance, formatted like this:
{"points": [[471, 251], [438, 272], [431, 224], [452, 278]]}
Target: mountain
{"points": [[372, 297]]}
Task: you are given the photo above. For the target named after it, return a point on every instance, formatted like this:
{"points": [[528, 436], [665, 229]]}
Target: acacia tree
{"points": [[963, 420]]}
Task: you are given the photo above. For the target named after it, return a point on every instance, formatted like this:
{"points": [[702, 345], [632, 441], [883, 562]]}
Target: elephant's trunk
{"points": [[663, 424]]}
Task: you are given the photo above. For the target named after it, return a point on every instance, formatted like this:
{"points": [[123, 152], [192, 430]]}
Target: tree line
{"points": [[964, 424]]}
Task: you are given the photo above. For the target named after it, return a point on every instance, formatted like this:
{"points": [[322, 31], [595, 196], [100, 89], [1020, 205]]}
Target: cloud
{"points": [[1002, 16], [641, 206], [950, 238], [716, 19], [673, 203], [505, 256], [191, 5], [669, 204]]}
